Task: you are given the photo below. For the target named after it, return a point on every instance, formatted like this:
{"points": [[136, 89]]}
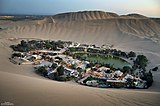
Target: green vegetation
{"points": [[90, 79], [60, 70], [132, 54], [16, 55], [42, 71], [75, 49], [148, 77], [141, 62], [26, 46], [155, 69], [54, 65], [127, 69], [130, 83], [67, 78]]}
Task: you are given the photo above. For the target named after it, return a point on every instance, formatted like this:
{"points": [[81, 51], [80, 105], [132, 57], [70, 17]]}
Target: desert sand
{"points": [[22, 87]]}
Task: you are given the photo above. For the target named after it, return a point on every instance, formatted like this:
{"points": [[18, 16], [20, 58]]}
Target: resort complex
{"points": [[89, 65]]}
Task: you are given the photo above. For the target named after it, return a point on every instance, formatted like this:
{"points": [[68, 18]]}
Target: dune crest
{"points": [[85, 16]]}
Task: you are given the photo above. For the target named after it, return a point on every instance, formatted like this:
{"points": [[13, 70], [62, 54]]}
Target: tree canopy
{"points": [[60, 70], [142, 61], [132, 54]]}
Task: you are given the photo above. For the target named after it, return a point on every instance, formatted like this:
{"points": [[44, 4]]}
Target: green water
{"points": [[114, 61]]}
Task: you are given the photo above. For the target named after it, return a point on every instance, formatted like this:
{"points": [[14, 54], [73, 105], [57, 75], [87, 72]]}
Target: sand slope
{"points": [[29, 91], [21, 86]]}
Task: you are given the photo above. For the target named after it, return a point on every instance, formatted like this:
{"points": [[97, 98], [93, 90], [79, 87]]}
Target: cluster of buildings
{"points": [[97, 76], [100, 76], [70, 65]]}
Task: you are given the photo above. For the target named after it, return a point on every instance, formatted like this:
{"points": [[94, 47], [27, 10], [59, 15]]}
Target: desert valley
{"points": [[20, 85]]}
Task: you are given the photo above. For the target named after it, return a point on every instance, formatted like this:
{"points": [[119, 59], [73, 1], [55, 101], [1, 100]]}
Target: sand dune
{"points": [[94, 15], [29, 91], [20, 85], [84, 16]]}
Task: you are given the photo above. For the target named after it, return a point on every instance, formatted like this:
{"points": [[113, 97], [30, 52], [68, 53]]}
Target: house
{"points": [[82, 65], [71, 72], [25, 61], [105, 46], [116, 83], [37, 57], [52, 52], [84, 45], [74, 44], [103, 69], [81, 81], [74, 74], [128, 77], [118, 74], [43, 63], [93, 83], [140, 84]]}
